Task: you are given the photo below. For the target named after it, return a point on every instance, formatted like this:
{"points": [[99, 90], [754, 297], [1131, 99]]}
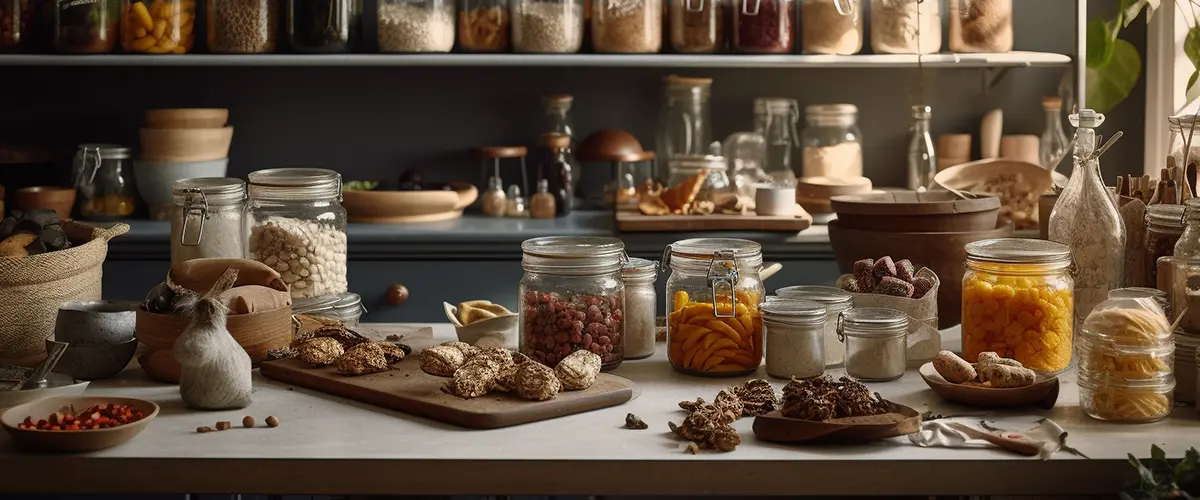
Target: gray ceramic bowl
{"points": [[92, 362], [154, 179], [100, 322]]}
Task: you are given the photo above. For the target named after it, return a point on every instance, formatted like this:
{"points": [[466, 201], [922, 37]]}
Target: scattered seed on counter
{"points": [[634, 422], [310, 256], [224, 425], [205, 428], [272, 421], [248, 421]]}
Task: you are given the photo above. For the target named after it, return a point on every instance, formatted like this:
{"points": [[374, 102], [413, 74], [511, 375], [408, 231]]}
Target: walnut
{"points": [[392, 351], [758, 397], [466, 349], [319, 351], [441, 360], [363, 359], [578, 370], [536, 382], [472, 381]]}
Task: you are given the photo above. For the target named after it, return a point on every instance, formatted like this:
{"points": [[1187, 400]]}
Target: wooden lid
{"points": [[911, 203], [686, 80], [1052, 102], [555, 140], [501, 151], [609, 145], [636, 157]]}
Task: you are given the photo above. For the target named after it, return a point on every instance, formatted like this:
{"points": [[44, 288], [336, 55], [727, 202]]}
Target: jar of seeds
{"points": [[208, 219], [547, 26], [324, 26], [627, 26], [416, 25], [875, 343], [242, 26]]}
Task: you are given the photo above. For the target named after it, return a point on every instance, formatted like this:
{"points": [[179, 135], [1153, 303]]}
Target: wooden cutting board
{"points": [[634, 221], [410, 390]]}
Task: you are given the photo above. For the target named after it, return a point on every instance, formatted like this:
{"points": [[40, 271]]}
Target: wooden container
{"points": [[187, 118], [58, 199], [408, 206], [909, 211], [943, 253], [185, 144], [257, 333], [813, 193]]}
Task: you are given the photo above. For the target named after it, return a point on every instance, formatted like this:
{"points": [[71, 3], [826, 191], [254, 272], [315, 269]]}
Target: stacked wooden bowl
{"points": [[180, 144]]}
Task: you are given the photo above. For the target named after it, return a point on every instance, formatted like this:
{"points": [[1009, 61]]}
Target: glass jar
{"points": [[763, 26], [684, 120], [1164, 226], [1137, 292], [795, 344], [836, 301], [1119, 400], [1185, 263], [346, 308], [831, 141], [1184, 148], [831, 26], [572, 298], [981, 26], [104, 178], [627, 26], [641, 303], [775, 120], [634, 178], [416, 25], [746, 155], [1017, 301], [324, 26], [483, 25], [1099, 355], [547, 26], [17, 19], [906, 26], [298, 227], [158, 26], [716, 187], [242, 26], [85, 27], [1185, 367], [560, 171], [208, 219], [876, 343], [698, 26], [714, 291]]}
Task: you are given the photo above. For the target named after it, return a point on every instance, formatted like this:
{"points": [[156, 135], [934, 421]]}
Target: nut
{"points": [[272, 421], [247, 421], [204, 428], [223, 425]]}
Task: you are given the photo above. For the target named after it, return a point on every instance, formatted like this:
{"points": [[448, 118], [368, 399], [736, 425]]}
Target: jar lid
{"points": [[780, 105], [1018, 251], [1136, 292], [873, 322], [573, 255], [706, 247], [114, 151], [639, 268], [830, 109], [835, 299], [214, 189], [1177, 122], [793, 311], [315, 305], [1165, 215], [697, 162], [686, 81], [295, 183]]}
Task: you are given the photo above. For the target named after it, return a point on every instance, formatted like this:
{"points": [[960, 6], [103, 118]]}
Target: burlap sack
{"points": [[32, 288], [924, 340]]}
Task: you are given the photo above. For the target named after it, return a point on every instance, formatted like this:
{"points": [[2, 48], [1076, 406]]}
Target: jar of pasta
{"points": [[1017, 301], [158, 26], [714, 326], [483, 25], [835, 301], [627, 26], [831, 26], [1115, 399]]}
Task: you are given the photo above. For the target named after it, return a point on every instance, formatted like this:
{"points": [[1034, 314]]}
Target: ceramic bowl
{"points": [[58, 199], [73, 441], [101, 322], [774, 200], [187, 118], [185, 144], [500, 331], [154, 180], [94, 362]]}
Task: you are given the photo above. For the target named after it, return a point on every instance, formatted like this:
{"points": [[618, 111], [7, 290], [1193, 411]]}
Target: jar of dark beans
{"points": [[572, 298], [1164, 226], [324, 26], [764, 26], [16, 25], [85, 27]]}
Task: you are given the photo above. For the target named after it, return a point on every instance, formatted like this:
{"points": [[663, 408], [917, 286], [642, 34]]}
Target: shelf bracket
{"points": [[992, 77]]}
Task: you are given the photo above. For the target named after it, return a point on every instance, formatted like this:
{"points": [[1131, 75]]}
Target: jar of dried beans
{"points": [[627, 26], [85, 27], [764, 26], [573, 298], [876, 343], [208, 219], [17, 18], [698, 26], [1164, 226], [831, 26], [835, 301], [158, 26], [547, 26], [242, 26], [298, 227], [906, 26], [416, 25], [483, 25], [714, 291], [641, 303], [981, 26]]}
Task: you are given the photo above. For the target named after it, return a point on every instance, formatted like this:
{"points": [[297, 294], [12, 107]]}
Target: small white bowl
{"points": [[770, 199], [500, 331]]}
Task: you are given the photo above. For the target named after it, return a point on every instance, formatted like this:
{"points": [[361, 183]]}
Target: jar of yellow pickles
{"points": [[714, 326], [158, 26], [1017, 301]]}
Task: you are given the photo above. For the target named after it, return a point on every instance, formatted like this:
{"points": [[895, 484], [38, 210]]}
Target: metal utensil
{"points": [[54, 352]]}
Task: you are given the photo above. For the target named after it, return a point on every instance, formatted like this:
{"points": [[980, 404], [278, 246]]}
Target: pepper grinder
{"points": [[516, 204], [542, 205]]}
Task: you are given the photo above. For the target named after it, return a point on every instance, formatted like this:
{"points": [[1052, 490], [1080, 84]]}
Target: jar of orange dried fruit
{"points": [[714, 326], [158, 26], [1017, 301]]}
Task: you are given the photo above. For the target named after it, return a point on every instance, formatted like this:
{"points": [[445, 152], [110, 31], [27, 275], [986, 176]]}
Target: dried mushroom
{"points": [[709, 427], [822, 399], [634, 422], [362, 360], [757, 397], [320, 351]]}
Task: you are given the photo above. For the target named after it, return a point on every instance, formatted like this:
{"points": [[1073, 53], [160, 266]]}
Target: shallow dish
{"points": [[963, 177], [73, 441], [777, 428], [408, 206], [1043, 393], [500, 331], [96, 322], [175, 145]]}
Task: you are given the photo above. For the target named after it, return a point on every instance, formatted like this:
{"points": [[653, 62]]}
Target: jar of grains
{"points": [[1017, 301], [85, 27], [547, 26], [1185, 262], [876, 341], [627, 26], [208, 219], [17, 19], [906, 26], [698, 26], [714, 291], [1138, 292], [298, 227], [641, 303], [981, 26], [158, 26], [242, 26], [572, 298], [831, 141], [831, 26], [324, 26], [795, 344], [1164, 226], [835, 301], [416, 25], [483, 25], [764, 26]]}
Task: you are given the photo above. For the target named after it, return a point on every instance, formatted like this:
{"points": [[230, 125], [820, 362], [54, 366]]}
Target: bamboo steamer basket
{"points": [[257, 333]]}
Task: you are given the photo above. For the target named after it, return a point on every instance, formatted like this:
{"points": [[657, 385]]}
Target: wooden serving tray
{"points": [[634, 221]]}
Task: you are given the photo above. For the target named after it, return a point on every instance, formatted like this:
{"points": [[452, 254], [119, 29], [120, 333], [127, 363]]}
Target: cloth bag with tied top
{"points": [[924, 340]]}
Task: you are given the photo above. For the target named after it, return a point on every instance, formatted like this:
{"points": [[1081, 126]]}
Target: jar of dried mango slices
{"points": [[714, 326], [1017, 301]]}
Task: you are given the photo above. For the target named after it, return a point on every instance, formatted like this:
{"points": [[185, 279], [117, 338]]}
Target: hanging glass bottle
{"points": [[1086, 219], [922, 163], [1053, 145]]}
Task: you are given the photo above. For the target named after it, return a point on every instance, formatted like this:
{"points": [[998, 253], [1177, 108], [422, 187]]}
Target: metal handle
{"points": [[746, 11], [840, 327], [693, 5], [727, 277], [847, 10], [192, 209]]}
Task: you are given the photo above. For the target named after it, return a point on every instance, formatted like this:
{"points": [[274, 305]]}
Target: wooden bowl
{"points": [[776, 428], [408, 206], [257, 333], [187, 118], [813, 193], [73, 441], [609, 145], [1043, 393], [909, 211], [185, 144], [943, 253], [58, 199]]}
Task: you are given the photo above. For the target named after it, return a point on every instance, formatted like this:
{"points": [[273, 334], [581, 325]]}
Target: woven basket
{"points": [[32, 289]]}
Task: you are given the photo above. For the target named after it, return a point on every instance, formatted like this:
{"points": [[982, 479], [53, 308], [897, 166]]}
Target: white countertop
{"points": [[330, 445]]}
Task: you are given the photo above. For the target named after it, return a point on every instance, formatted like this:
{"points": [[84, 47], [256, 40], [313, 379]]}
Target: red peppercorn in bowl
{"points": [[77, 424]]}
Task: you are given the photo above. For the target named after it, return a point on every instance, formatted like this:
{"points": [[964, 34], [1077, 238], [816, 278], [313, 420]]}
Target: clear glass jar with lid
{"points": [[1164, 226], [104, 177], [547, 26], [836, 301], [627, 26], [763, 26], [716, 187], [298, 227], [416, 26], [242, 26], [981, 25], [1116, 399], [324, 26], [483, 25], [159, 27], [684, 120], [906, 27], [84, 27], [714, 291], [795, 344], [1018, 301], [641, 304], [1184, 148], [1185, 262], [572, 298], [698, 26], [876, 342], [208, 219], [775, 119], [831, 141], [831, 26]]}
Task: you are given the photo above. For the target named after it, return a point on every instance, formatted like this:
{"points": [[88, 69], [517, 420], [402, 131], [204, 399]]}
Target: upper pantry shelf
{"points": [[1006, 60]]}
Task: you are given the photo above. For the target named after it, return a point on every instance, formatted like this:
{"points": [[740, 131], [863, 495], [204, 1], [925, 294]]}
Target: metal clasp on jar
{"points": [[693, 5], [746, 11], [723, 272], [844, 7], [195, 207], [840, 327]]}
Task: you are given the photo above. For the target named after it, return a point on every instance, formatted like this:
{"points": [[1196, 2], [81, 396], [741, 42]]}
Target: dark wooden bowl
{"points": [[610, 145], [1042, 394], [909, 211]]}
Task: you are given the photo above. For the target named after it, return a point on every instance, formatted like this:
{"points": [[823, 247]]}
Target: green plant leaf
{"points": [[1099, 43], [1157, 453], [1111, 83]]}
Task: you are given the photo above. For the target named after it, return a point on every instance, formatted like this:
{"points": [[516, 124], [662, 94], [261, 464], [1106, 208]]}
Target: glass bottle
{"points": [[416, 26], [515, 207], [493, 200], [324, 26], [832, 142], [922, 162], [775, 119], [1086, 219], [542, 205], [557, 111], [1053, 145], [242, 26], [684, 123], [483, 25], [104, 177], [559, 171]]}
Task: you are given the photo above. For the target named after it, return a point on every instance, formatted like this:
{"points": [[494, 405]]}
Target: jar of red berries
{"points": [[572, 298]]}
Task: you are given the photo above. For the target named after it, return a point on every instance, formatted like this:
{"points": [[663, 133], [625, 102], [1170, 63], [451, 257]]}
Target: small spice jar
{"points": [[1139, 292], [627, 26], [483, 25], [1164, 226], [795, 331], [836, 301], [242, 26], [158, 26], [85, 27], [906, 26], [547, 26], [763, 26], [104, 178], [698, 26], [831, 26], [208, 219], [714, 291], [981, 26], [416, 26], [572, 298], [831, 142], [641, 303], [346, 308], [875, 340]]}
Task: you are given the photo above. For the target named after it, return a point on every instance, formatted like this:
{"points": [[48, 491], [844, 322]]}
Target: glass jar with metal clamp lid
{"points": [[208, 219], [876, 342], [347, 308], [104, 177], [714, 326]]}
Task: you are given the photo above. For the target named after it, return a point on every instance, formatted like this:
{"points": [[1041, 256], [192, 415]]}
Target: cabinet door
{"points": [[132, 279], [430, 283]]}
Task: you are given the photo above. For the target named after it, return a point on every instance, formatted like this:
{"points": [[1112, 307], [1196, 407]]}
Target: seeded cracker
{"points": [[466, 349], [319, 351], [578, 370], [441, 360], [536, 382], [362, 360], [472, 381]]}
